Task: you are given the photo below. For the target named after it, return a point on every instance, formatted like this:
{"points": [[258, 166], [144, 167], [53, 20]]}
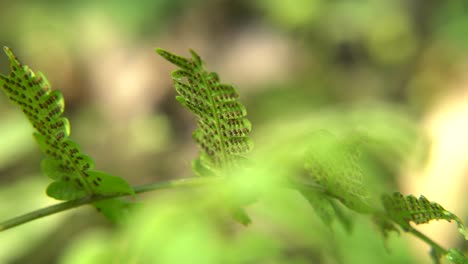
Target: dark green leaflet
{"points": [[71, 169], [405, 209], [222, 127], [222, 131]]}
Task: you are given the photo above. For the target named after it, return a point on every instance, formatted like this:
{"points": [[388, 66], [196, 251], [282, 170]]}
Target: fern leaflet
{"points": [[327, 209], [71, 169], [405, 209], [331, 163], [455, 256], [223, 130]]}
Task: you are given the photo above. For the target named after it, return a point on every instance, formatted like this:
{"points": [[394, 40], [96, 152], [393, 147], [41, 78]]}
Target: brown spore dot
{"points": [[59, 136], [79, 183]]}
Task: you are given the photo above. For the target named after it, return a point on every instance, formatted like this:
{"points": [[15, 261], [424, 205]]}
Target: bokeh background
{"points": [[398, 68]]}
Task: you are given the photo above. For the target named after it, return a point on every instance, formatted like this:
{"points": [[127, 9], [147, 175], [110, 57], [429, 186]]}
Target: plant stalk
{"points": [[56, 208]]}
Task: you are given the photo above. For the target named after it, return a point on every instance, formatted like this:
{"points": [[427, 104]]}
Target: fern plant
{"points": [[217, 109], [345, 184], [223, 136]]}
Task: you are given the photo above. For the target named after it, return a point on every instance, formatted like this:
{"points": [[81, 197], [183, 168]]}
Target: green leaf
{"points": [[385, 225], [332, 164], [65, 163], [108, 184], [63, 190], [405, 209], [327, 209], [456, 257], [52, 168], [200, 168], [322, 206], [222, 128], [104, 183], [240, 216], [116, 210]]}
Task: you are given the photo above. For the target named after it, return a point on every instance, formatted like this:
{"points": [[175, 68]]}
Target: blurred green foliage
{"points": [[175, 230], [285, 230], [341, 55]]}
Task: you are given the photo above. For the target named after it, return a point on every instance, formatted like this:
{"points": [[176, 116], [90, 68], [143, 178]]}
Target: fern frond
{"points": [[71, 169], [406, 209], [223, 128], [332, 164]]}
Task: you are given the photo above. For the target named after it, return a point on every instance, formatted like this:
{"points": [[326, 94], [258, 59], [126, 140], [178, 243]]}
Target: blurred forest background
{"points": [[398, 68]]}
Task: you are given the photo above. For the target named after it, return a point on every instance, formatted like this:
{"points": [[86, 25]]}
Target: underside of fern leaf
{"points": [[406, 209], [223, 129], [331, 163], [71, 169]]}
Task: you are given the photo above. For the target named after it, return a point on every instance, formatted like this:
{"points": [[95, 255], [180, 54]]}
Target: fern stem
{"points": [[56, 208], [172, 184]]}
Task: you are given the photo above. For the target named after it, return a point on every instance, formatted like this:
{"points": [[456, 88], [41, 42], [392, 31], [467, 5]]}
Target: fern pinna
{"points": [[71, 169], [331, 163], [223, 129], [406, 209]]}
